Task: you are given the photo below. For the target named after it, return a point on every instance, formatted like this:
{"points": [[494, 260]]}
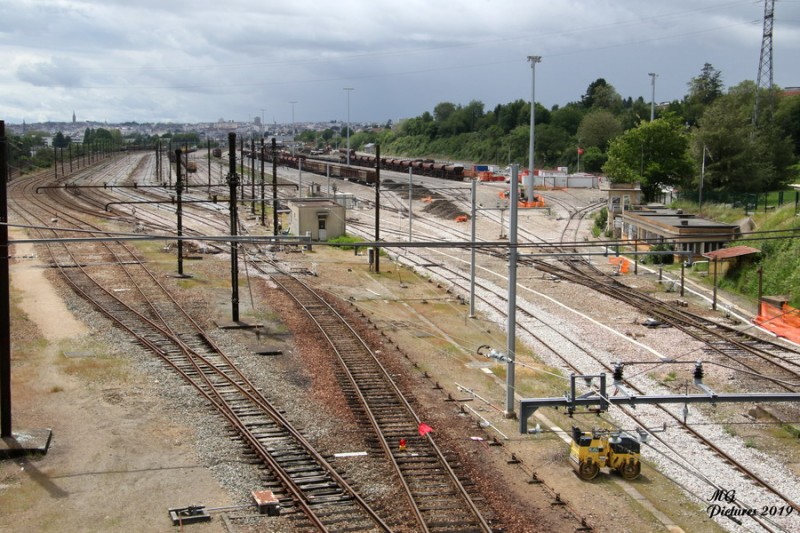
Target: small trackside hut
{"points": [[321, 218]]}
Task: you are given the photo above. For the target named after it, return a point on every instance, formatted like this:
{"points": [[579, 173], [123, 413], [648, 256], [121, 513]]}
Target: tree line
{"points": [[710, 134]]}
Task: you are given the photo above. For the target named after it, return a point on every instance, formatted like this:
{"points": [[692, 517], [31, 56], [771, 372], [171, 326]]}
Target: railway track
{"points": [[456, 278], [436, 493], [306, 485], [303, 481], [730, 343]]}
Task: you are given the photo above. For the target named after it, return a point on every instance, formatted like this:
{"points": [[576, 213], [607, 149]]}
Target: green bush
{"points": [[344, 240]]}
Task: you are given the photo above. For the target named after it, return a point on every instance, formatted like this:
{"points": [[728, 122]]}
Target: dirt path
{"points": [[119, 457]]}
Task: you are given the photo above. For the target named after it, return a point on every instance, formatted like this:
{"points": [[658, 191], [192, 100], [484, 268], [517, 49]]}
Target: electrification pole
{"points": [[511, 339], [275, 187], [232, 184], [179, 208], [377, 207], [5, 294]]}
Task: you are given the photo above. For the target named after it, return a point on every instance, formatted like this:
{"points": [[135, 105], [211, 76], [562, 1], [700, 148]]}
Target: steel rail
{"points": [[312, 303], [210, 390]]}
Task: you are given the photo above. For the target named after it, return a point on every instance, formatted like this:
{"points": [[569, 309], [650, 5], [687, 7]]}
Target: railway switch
{"points": [[189, 515]]}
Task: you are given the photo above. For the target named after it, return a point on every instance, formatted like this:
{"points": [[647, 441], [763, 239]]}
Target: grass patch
{"points": [[345, 241], [104, 369]]}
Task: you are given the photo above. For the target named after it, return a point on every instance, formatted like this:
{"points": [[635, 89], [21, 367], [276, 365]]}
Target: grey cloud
{"points": [[58, 72]]}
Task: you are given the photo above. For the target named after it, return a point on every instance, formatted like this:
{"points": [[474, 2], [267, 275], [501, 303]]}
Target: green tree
{"points": [[551, 143], [61, 141], [655, 154], [593, 159], [741, 158], [603, 95], [511, 115], [703, 91], [787, 117], [634, 112], [567, 118], [597, 128], [443, 111]]}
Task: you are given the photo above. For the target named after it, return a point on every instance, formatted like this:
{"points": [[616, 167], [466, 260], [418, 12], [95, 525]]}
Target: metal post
{"points": [[653, 76], [293, 102], [511, 340], [410, 199], [253, 176], [241, 159], [263, 205], [5, 294], [348, 89], [714, 301], [179, 209], [472, 252], [274, 187], [529, 185], [377, 207], [232, 184], [208, 144], [760, 284], [702, 180], [683, 268], [169, 166]]}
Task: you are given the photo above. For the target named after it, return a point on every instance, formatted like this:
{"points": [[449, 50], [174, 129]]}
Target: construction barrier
{"points": [[783, 321], [622, 264]]}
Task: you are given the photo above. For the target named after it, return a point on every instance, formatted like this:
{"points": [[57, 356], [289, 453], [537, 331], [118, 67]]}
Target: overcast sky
{"points": [[196, 61]]}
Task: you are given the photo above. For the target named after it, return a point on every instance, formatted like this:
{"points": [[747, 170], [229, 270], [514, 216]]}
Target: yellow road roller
{"points": [[592, 450]]}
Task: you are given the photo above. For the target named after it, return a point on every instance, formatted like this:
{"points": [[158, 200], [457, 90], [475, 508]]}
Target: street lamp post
{"points": [[653, 76], [349, 90], [293, 102], [529, 184]]}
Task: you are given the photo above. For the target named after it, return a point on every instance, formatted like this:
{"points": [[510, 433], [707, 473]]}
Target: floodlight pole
{"points": [[529, 184], [348, 89], [653, 77]]}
